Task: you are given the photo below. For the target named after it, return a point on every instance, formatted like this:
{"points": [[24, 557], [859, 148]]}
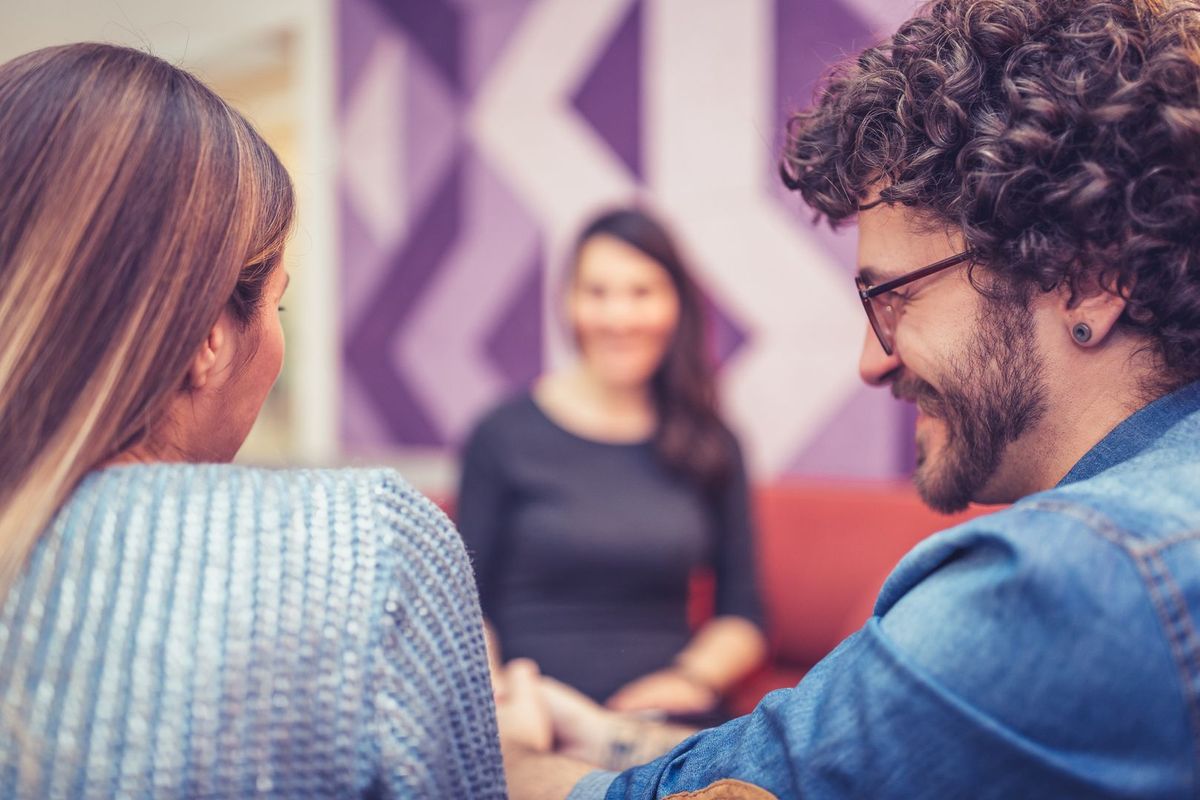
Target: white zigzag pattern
{"points": [[708, 122]]}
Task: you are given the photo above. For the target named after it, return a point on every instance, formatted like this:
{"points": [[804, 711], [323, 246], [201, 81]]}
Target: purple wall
{"points": [[452, 220]]}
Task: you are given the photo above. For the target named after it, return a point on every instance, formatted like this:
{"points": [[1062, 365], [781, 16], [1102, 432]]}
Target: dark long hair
{"points": [[690, 438]]}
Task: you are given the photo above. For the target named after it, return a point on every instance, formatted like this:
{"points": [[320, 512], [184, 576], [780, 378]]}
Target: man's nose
{"points": [[874, 365]]}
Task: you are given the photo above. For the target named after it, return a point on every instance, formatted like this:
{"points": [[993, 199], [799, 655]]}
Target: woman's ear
{"points": [[210, 354]]}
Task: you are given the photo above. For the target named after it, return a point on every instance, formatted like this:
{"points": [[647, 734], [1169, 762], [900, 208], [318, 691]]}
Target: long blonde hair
{"points": [[135, 206]]}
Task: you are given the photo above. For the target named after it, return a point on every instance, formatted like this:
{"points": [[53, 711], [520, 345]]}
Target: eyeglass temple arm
{"points": [[936, 266]]}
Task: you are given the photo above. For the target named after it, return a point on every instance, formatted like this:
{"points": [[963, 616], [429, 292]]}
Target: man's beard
{"points": [[990, 396]]}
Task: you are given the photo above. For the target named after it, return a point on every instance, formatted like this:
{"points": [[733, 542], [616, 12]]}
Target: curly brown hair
{"points": [[1061, 138]]}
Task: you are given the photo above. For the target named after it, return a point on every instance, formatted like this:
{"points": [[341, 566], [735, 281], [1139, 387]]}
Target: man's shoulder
{"points": [[1048, 532], [1066, 537], [1106, 569], [1152, 498], [1048, 603]]}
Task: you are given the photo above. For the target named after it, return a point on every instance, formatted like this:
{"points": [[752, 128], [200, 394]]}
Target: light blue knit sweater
{"points": [[217, 631]]}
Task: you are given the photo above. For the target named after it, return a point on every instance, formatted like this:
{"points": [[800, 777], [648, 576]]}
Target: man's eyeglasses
{"points": [[881, 311]]}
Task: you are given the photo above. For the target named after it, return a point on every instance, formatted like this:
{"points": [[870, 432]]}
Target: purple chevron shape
{"points": [[368, 347], [725, 336], [433, 129], [363, 265], [489, 27], [515, 344], [610, 97], [361, 428], [436, 27], [444, 352], [884, 16], [358, 25], [806, 45], [863, 439], [869, 436]]}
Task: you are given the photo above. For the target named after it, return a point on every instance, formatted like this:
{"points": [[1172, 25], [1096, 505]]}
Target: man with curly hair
{"points": [[1025, 175]]}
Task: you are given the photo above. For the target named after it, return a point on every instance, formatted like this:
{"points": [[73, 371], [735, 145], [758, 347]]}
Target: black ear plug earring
{"points": [[1082, 332]]}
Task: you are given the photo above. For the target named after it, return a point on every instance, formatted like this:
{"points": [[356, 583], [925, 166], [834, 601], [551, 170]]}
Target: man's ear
{"points": [[1090, 312], [210, 354]]}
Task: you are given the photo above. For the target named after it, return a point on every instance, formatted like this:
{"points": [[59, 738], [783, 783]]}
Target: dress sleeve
{"points": [[482, 508], [431, 709], [735, 559]]}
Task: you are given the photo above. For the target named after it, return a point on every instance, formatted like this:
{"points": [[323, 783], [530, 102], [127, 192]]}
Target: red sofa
{"points": [[825, 548]]}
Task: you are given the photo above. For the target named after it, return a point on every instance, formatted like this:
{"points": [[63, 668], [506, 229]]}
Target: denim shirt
{"points": [[1047, 650]]}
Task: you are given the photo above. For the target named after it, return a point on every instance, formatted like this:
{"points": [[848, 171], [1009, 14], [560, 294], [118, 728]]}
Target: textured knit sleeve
{"points": [[433, 715], [736, 564], [483, 507], [226, 632]]}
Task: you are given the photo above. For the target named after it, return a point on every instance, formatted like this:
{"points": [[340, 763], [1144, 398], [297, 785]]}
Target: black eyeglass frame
{"points": [[867, 293]]}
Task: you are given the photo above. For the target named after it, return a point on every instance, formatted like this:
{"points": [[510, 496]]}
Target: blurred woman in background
{"points": [[588, 503], [169, 628]]}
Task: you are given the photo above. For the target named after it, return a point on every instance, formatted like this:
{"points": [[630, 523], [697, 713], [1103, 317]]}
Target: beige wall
{"points": [[179, 30]]}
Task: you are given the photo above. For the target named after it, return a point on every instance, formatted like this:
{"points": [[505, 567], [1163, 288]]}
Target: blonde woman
{"points": [[170, 625]]}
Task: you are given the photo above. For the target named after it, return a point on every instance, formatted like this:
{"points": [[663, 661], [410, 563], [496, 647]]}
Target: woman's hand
{"points": [[521, 713], [668, 690], [495, 666], [594, 734]]}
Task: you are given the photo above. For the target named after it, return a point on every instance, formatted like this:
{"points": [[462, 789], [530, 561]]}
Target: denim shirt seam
{"points": [[1162, 545], [1179, 629], [1181, 635]]}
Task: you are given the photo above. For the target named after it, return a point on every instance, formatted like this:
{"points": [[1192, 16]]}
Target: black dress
{"points": [[583, 550]]}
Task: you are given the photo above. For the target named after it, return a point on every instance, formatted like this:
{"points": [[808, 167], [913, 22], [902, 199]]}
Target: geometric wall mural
{"points": [[478, 135]]}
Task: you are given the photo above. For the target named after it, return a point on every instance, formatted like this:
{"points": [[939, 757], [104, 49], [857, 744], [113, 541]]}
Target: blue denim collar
{"points": [[1140, 430]]}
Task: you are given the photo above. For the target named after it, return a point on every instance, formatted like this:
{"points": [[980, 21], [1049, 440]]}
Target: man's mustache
{"points": [[912, 389]]}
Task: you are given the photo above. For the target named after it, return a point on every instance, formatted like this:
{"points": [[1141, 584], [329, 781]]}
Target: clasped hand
{"points": [[543, 714]]}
